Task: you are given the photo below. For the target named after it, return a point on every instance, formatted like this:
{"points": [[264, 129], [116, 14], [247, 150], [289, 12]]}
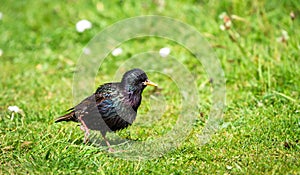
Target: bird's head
{"points": [[135, 81]]}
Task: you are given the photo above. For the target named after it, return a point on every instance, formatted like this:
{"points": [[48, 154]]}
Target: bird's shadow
{"points": [[96, 139]]}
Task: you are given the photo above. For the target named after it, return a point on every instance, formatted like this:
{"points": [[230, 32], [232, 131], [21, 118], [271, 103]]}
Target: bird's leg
{"points": [[86, 133], [85, 129], [108, 144]]}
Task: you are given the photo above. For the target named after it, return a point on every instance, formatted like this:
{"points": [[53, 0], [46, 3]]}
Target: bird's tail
{"points": [[67, 117]]}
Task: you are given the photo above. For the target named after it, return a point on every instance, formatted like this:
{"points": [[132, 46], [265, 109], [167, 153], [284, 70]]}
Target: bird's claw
{"points": [[110, 150]]}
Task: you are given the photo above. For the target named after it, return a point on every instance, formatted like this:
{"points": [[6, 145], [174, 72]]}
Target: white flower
{"points": [[284, 37], [1, 52], [285, 34], [222, 15], [226, 21], [222, 27], [164, 52], [83, 25], [292, 15], [117, 51], [229, 167], [1, 15], [15, 109], [228, 24], [87, 51]]}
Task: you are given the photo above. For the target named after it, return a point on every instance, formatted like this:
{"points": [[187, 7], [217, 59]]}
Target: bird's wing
{"points": [[105, 96], [93, 109], [89, 106], [104, 92]]}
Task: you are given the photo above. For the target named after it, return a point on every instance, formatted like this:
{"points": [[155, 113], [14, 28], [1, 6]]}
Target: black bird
{"points": [[112, 107]]}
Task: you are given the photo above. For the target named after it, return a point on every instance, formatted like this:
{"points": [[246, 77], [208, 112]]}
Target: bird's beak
{"points": [[149, 83]]}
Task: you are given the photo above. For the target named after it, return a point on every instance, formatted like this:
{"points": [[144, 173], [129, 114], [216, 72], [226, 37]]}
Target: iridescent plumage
{"points": [[112, 107]]}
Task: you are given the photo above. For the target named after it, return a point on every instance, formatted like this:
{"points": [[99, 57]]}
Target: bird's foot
{"points": [[86, 138], [110, 150]]}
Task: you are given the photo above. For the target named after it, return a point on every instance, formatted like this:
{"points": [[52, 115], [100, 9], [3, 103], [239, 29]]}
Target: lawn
{"points": [[256, 42]]}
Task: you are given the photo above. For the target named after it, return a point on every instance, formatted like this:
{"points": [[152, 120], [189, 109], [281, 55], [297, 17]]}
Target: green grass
{"points": [[40, 51]]}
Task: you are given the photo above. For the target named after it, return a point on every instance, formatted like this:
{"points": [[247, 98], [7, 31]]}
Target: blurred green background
{"points": [[259, 53]]}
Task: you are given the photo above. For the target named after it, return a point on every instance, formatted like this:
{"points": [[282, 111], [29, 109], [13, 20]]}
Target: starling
{"points": [[112, 107]]}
